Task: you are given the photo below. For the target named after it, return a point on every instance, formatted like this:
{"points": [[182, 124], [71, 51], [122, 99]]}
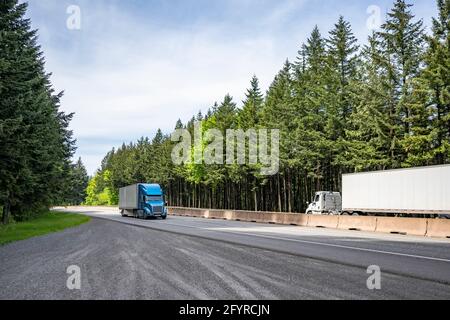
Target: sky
{"points": [[129, 67]]}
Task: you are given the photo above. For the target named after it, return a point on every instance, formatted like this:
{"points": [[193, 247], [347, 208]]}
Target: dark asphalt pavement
{"points": [[188, 258]]}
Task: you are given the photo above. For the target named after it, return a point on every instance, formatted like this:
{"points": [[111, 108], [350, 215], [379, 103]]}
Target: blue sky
{"points": [[135, 66]]}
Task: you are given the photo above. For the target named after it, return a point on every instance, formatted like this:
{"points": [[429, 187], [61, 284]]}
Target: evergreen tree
{"points": [[309, 142], [225, 114], [343, 60], [248, 117], [402, 43], [368, 139], [36, 143], [430, 100], [77, 184]]}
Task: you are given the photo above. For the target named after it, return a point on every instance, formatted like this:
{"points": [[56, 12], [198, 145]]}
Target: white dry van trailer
{"points": [[415, 191]]}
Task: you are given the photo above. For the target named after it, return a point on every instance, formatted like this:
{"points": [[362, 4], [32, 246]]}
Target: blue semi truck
{"points": [[143, 201]]}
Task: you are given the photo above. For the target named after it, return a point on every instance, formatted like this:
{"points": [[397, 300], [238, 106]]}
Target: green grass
{"points": [[48, 223]]}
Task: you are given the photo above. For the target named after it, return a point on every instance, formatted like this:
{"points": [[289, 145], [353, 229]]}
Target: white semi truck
{"points": [[416, 191]]}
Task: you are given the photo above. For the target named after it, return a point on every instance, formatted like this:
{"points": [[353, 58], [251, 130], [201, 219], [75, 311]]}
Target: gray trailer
{"points": [[142, 201], [128, 198]]}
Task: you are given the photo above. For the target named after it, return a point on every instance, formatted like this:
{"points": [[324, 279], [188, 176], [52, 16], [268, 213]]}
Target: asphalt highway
{"points": [[192, 258]]}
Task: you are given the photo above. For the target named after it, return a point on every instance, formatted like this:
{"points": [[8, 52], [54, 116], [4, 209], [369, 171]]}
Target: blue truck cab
{"points": [[143, 201]]}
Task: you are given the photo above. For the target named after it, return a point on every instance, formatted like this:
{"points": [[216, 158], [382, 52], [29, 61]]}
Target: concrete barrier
{"points": [[195, 213], [323, 221], [357, 223], [280, 218], [240, 216], [89, 208], [438, 228], [408, 226], [293, 219], [269, 217], [228, 215], [258, 217], [216, 214]]}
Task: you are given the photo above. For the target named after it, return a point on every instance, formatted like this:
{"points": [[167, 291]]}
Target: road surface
{"points": [[191, 258]]}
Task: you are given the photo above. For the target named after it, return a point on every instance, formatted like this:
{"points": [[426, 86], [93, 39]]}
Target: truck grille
{"points": [[157, 209]]}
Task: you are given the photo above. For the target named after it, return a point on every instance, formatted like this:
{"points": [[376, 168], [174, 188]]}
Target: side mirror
{"points": [[166, 204]]}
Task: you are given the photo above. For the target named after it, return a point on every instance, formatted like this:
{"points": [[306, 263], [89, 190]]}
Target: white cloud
{"points": [[129, 84]]}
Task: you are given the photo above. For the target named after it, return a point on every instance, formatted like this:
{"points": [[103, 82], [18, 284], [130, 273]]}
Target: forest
{"points": [[341, 107], [36, 144]]}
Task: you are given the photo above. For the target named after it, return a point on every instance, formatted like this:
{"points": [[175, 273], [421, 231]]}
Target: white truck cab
{"points": [[326, 203]]}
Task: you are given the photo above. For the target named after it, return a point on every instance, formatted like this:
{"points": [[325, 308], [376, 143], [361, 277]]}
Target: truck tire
{"points": [[164, 217]]}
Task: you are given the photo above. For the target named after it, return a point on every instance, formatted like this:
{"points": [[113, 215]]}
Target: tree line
{"points": [[340, 108], [36, 144]]}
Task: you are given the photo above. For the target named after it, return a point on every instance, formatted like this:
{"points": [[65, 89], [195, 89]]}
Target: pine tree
{"points": [[225, 114], [248, 117], [38, 144], [402, 43], [368, 135], [343, 61], [309, 142], [435, 77], [77, 184]]}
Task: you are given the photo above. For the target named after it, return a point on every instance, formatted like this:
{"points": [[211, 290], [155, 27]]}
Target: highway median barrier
{"points": [[358, 223], [240, 216], [323, 221], [438, 228], [406, 226], [186, 212], [263, 217], [215, 214], [270, 217], [277, 218], [256, 217], [293, 219], [228, 215]]}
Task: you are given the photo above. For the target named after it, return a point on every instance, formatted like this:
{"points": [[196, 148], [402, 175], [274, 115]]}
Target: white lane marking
{"points": [[289, 239]]}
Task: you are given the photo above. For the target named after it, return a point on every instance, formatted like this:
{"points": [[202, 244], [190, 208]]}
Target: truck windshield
{"points": [[153, 198]]}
